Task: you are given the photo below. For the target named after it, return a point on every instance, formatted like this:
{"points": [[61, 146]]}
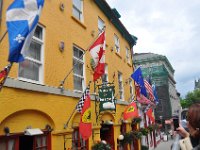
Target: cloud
{"points": [[170, 28]]}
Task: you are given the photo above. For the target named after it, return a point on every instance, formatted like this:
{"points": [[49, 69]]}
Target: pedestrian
{"points": [[191, 139]]}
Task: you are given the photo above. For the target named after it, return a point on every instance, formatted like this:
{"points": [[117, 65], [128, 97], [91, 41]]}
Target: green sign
{"points": [[106, 98]]}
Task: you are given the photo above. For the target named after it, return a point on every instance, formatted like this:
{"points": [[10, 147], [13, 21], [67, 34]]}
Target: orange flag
{"points": [[150, 114], [131, 111], [85, 127]]}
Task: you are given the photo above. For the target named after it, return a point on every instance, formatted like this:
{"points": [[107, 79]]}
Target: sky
{"points": [[167, 27]]}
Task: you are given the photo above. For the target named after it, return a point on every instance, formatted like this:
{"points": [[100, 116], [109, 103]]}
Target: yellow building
{"points": [[33, 106]]}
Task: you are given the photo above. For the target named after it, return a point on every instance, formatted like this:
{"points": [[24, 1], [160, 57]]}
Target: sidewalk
{"points": [[165, 145]]}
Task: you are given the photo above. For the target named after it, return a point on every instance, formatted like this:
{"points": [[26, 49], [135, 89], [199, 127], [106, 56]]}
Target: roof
{"points": [[113, 16], [140, 58]]}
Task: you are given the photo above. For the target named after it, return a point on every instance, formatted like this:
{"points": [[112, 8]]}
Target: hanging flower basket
{"points": [[101, 146], [137, 135], [151, 128], [136, 120], [144, 131]]}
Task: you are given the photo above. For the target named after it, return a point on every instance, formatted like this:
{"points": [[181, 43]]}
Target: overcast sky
{"points": [[166, 27]]}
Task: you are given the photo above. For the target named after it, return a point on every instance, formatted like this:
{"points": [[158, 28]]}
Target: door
{"points": [[107, 134]]}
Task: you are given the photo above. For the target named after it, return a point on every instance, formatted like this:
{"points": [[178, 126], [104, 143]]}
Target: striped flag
{"points": [[80, 104], [149, 90]]}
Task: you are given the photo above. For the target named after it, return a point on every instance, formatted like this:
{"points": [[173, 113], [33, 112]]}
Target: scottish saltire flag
{"points": [[21, 18], [138, 78], [155, 94]]}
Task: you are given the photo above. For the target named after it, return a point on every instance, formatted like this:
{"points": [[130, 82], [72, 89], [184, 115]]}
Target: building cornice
{"points": [[111, 15]]}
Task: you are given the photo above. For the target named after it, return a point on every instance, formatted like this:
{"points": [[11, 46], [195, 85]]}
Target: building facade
{"points": [[35, 108], [159, 70]]}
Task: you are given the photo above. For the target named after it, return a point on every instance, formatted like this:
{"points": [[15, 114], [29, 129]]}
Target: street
{"points": [[165, 145]]}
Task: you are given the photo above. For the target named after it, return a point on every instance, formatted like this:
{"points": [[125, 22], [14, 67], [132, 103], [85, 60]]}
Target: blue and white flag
{"points": [[22, 17]]}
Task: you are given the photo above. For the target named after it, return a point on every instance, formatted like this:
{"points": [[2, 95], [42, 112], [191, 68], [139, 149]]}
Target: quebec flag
{"points": [[22, 17]]}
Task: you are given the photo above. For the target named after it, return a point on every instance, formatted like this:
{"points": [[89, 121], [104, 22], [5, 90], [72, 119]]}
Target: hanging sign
{"points": [[106, 98]]}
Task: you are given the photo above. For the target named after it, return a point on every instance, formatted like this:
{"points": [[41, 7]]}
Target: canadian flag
{"points": [[97, 51]]}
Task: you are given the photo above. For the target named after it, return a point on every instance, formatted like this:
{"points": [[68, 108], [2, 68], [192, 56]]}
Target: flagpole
{"points": [[3, 36], [9, 68], [66, 125], [63, 81]]}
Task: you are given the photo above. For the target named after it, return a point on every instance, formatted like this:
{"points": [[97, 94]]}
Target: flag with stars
{"points": [[138, 78], [22, 17]]}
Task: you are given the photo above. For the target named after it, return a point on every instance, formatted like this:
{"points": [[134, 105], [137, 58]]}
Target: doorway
{"points": [[26, 143], [107, 134]]}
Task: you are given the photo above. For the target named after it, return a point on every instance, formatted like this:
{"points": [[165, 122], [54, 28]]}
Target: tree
{"points": [[191, 97]]}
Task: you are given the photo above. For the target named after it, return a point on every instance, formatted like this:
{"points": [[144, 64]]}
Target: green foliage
{"points": [[151, 128], [136, 120], [128, 138], [191, 97], [137, 135], [101, 146], [143, 147], [144, 131]]}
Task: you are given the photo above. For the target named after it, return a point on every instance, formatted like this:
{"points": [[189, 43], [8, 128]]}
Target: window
{"points": [[78, 9], [77, 141], [101, 25], [121, 88], [1, 6], [131, 91], [32, 68], [117, 46], [105, 76], [127, 55], [41, 143], [21, 141], [78, 64]]}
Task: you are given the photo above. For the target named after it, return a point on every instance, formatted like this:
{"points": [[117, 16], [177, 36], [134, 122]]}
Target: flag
{"points": [[21, 18], [85, 126], [3, 75], [149, 90], [131, 111], [155, 94], [150, 114], [80, 104], [97, 51], [137, 77]]}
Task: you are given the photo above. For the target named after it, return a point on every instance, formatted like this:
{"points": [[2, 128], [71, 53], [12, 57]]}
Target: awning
{"points": [[32, 132]]}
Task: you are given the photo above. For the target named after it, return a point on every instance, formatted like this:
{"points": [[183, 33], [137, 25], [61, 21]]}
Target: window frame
{"points": [[127, 54], [117, 43], [41, 62], [83, 63], [80, 12], [100, 23], [78, 141], [105, 75], [120, 84]]}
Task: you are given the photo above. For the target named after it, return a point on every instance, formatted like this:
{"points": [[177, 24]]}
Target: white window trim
{"points": [[99, 29], [41, 69], [128, 54], [84, 77], [117, 43], [121, 90], [81, 16]]}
